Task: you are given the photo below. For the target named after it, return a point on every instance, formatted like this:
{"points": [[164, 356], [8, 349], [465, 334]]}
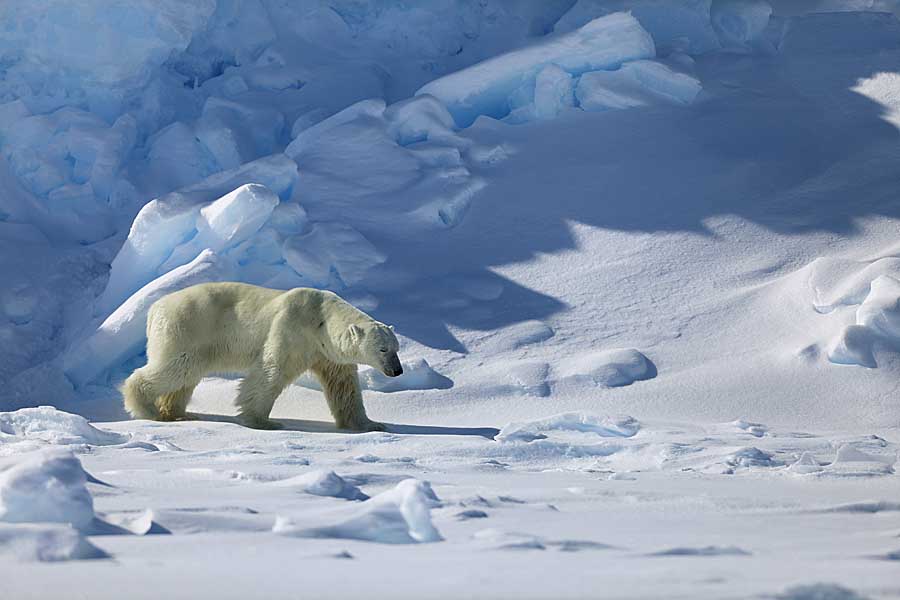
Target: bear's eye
{"points": [[382, 349]]}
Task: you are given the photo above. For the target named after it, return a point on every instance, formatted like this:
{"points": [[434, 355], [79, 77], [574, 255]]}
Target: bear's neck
{"points": [[337, 316]]}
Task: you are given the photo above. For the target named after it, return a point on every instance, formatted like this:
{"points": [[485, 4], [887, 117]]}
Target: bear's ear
{"points": [[391, 327], [356, 333]]}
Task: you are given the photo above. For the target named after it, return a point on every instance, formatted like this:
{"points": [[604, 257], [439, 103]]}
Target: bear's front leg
{"points": [[256, 397], [342, 392]]}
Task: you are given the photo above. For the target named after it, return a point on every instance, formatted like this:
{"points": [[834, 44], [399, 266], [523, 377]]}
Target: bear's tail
{"points": [[140, 397]]}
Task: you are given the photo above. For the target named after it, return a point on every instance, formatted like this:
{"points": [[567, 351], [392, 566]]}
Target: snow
{"points": [[610, 368], [324, 483], [638, 83], [485, 88], [674, 24], [684, 211], [400, 515], [739, 23], [45, 543], [47, 486], [47, 425]]}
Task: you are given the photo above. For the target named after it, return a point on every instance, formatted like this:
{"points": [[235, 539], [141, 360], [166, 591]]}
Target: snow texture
{"points": [[680, 210]]}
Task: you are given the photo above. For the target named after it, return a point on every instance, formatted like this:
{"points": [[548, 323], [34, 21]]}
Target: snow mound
{"points": [[417, 375], [51, 426], [673, 24], [621, 427], [850, 461], [609, 368], [805, 465], [755, 429], [877, 320], [324, 483], [45, 543], [48, 486], [401, 515], [819, 591], [488, 87], [638, 83], [750, 457]]}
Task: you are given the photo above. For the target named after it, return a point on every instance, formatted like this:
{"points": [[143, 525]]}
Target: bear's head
{"points": [[375, 344]]}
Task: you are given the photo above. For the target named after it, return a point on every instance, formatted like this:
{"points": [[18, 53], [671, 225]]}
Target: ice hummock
{"points": [[47, 425], [486, 88], [637, 83], [401, 515]]}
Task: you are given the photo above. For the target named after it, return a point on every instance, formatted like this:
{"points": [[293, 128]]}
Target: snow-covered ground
{"points": [[644, 269]]}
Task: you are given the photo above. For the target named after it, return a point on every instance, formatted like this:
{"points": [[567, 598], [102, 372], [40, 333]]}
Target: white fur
{"points": [[272, 336]]}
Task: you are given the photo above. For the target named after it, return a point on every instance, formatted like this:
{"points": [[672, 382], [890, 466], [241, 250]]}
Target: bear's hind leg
{"points": [[341, 386], [140, 395]]}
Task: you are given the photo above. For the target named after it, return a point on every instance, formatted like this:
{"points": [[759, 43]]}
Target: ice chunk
{"points": [[880, 311], [331, 253], [51, 426], [236, 133], [166, 222], [226, 222], [805, 465], [528, 431], [609, 368], [126, 43], [638, 83], [48, 486], [45, 543], [417, 375], [853, 346], [877, 318], [739, 23], [485, 88], [553, 91], [121, 336], [401, 515], [373, 107], [11, 112], [751, 457], [418, 119], [324, 483], [289, 218], [672, 23], [178, 158]]}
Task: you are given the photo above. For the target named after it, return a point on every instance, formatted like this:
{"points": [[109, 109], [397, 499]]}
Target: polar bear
{"points": [[273, 336]]}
